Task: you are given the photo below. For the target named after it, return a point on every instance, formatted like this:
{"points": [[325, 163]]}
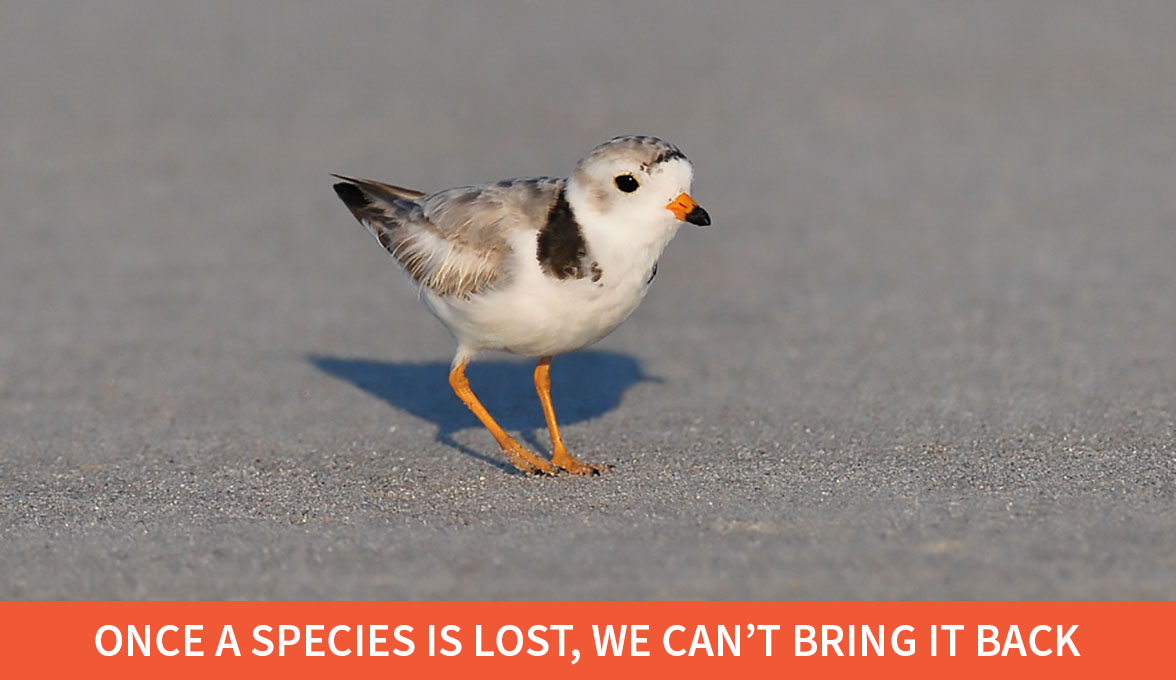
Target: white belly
{"points": [[538, 315]]}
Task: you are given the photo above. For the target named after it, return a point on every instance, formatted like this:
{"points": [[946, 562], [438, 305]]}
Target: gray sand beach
{"points": [[927, 349]]}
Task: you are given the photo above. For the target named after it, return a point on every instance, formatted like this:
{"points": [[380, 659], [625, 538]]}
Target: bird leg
{"points": [[516, 452], [559, 453]]}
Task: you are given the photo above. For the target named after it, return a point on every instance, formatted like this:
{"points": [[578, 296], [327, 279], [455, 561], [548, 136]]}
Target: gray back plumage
{"points": [[454, 242]]}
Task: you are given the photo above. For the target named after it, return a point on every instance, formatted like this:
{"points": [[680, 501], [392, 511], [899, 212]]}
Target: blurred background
{"points": [[927, 349]]}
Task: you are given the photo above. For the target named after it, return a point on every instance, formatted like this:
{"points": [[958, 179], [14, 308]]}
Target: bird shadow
{"points": [[584, 385]]}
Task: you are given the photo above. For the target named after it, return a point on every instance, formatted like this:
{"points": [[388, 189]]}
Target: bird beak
{"points": [[688, 210]]}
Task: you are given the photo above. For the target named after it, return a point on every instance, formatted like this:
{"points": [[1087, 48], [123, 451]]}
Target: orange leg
{"points": [[559, 453], [516, 452]]}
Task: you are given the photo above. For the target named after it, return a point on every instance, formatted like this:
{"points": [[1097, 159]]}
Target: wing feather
{"points": [[454, 242]]}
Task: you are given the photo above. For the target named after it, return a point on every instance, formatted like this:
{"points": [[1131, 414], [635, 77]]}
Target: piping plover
{"points": [[536, 267]]}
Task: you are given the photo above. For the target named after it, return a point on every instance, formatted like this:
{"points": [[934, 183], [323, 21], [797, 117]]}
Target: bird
{"points": [[538, 266]]}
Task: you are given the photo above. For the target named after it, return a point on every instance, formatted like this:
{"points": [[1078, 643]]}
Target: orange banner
{"points": [[621, 639]]}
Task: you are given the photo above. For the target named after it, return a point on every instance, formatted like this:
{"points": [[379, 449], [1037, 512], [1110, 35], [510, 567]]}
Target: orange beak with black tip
{"points": [[688, 210]]}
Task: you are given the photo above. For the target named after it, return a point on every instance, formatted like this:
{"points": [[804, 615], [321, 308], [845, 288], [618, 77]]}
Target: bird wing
{"points": [[454, 242]]}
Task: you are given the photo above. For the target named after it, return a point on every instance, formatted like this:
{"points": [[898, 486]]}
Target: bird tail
{"points": [[379, 207], [387, 192]]}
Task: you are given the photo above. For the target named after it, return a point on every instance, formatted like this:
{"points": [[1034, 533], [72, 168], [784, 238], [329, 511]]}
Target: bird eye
{"points": [[626, 183]]}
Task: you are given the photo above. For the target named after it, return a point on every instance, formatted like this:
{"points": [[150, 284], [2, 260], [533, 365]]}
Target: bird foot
{"points": [[528, 462], [568, 462]]}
